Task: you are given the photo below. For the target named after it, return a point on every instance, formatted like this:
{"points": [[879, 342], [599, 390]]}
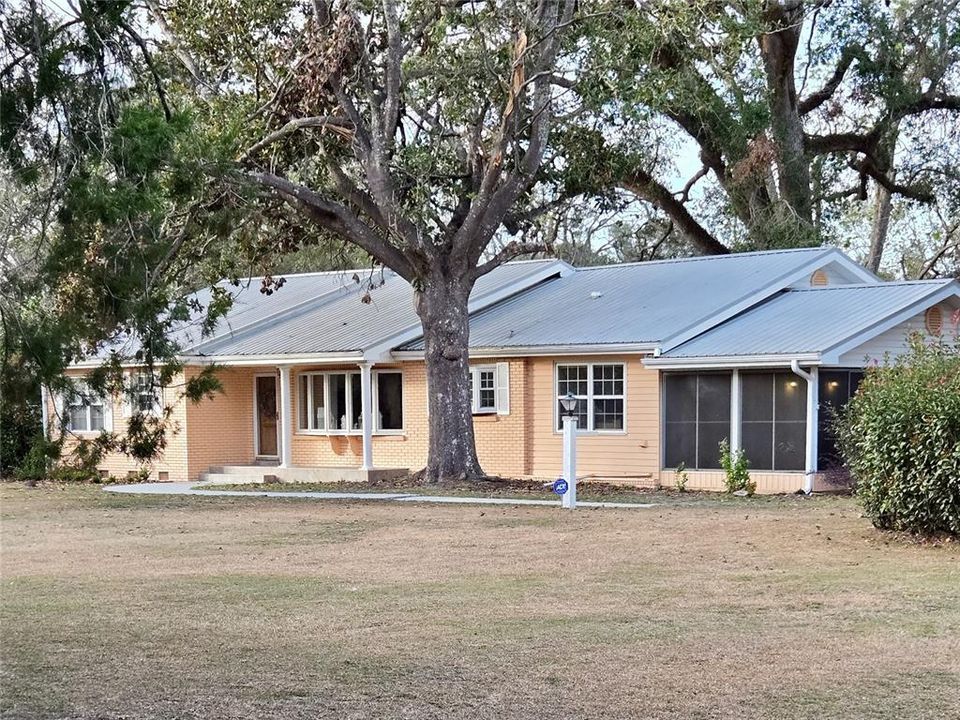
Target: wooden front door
{"points": [[266, 400]]}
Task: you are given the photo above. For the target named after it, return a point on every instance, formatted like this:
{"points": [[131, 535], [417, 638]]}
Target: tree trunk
{"points": [[442, 307], [883, 204], [779, 49], [883, 199]]}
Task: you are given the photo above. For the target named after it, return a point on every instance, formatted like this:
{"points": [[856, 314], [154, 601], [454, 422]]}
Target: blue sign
{"points": [[560, 486]]}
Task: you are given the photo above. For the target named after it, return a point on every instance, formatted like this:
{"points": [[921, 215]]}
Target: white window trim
{"points": [[348, 401], [475, 408], [82, 390], [590, 397]]}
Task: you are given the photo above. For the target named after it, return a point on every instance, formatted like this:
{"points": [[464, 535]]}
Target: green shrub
{"points": [[736, 469], [39, 458], [682, 477], [900, 437]]}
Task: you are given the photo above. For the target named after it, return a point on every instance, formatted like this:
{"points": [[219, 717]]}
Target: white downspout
{"points": [[813, 415]]}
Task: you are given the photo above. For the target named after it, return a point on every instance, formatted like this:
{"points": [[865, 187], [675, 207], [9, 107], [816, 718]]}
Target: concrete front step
{"points": [[236, 474]]}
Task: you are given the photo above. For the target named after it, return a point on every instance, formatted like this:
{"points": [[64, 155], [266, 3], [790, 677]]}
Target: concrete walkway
{"points": [[189, 488]]}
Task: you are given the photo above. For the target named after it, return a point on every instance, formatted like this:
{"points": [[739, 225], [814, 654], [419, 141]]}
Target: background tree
{"points": [[793, 108]]}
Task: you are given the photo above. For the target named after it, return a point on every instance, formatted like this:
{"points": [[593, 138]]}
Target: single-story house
{"points": [[667, 358]]}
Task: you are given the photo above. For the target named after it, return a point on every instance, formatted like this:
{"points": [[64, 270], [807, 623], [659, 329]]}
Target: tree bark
{"points": [[883, 199], [442, 307], [779, 49], [883, 205]]}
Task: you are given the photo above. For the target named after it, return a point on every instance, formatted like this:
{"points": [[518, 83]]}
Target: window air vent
{"points": [[933, 319], [819, 279]]}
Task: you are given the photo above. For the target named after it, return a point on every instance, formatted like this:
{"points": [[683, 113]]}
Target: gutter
{"points": [[813, 415]]}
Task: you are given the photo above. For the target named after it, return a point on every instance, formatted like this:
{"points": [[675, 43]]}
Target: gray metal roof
{"points": [[250, 306], [324, 313], [808, 321], [640, 303]]}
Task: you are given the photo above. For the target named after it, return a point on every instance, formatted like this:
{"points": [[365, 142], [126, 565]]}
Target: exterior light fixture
{"points": [[792, 383], [569, 404]]}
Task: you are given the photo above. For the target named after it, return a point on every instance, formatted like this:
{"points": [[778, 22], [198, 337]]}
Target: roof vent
{"points": [[933, 319], [596, 294], [819, 279]]}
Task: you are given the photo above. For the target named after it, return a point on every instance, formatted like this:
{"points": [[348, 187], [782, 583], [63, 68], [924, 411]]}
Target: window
{"points": [[332, 403], [774, 420], [483, 389], [389, 400], [144, 393], [836, 389], [85, 412], [696, 418], [599, 389]]}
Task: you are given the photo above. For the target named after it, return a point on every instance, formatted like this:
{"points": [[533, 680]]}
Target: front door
{"points": [[266, 398]]}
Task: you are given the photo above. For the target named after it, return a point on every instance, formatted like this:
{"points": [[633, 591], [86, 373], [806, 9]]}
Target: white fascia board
{"points": [[541, 351], [731, 361], [293, 359], [381, 350], [745, 303], [831, 355]]}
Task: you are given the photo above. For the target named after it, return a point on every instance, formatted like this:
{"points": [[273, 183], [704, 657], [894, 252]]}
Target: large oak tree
{"points": [[412, 130]]}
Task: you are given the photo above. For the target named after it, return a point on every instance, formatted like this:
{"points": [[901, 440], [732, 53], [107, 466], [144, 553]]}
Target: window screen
{"points": [[696, 418], [836, 389], [773, 420]]}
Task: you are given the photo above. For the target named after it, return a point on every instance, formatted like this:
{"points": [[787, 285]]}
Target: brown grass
{"points": [[152, 607]]}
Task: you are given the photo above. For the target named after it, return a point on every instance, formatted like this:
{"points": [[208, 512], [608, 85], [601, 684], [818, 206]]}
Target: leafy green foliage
{"points": [[736, 469], [900, 437]]}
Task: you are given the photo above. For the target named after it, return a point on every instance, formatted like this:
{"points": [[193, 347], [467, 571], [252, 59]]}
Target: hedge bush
{"points": [[900, 437]]}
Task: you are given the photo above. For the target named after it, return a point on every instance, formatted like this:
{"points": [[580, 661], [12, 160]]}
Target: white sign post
{"points": [[569, 498]]}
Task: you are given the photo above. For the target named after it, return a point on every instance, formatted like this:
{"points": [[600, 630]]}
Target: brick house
{"points": [[667, 358]]}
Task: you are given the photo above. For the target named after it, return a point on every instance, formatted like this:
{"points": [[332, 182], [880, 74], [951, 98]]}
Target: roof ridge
{"points": [[881, 284], [696, 258]]}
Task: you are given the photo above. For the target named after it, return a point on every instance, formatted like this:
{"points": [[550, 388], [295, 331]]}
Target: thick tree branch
{"points": [[868, 167], [816, 99], [340, 125], [644, 186], [508, 252], [339, 220]]}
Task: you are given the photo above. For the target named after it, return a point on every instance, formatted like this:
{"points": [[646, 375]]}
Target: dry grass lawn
{"points": [[151, 607]]}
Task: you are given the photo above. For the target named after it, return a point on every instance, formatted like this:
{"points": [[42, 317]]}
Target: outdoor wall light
{"points": [[569, 404]]}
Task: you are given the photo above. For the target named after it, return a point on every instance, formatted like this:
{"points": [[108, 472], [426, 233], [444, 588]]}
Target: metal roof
{"points": [[634, 304], [808, 321], [326, 314]]}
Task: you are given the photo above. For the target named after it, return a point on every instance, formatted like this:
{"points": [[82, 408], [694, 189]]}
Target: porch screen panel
{"points": [[390, 401], [713, 418], [774, 420], [756, 415], [696, 418], [790, 422], [680, 419], [837, 387]]}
